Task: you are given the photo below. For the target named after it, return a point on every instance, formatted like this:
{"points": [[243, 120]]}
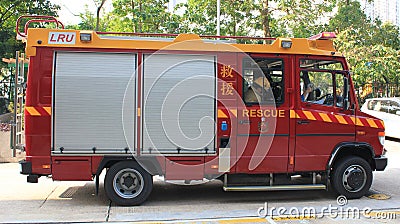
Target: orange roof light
{"points": [[323, 36]]}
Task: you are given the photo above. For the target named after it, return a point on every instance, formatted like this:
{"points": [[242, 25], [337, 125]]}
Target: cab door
{"points": [[263, 118], [322, 122]]}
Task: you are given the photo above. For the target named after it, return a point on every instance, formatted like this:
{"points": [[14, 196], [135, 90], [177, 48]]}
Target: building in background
{"points": [[385, 10]]}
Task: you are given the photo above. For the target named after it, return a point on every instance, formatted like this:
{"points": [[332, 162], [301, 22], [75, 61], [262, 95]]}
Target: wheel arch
{"points": [[344, 149], [150, 164]]}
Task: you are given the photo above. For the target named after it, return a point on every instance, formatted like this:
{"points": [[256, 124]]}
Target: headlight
{"points": [[381, 136]]}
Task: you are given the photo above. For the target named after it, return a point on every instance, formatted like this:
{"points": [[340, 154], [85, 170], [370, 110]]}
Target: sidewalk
{"points": [[5, 150]]}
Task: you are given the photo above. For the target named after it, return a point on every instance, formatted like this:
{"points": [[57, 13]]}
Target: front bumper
{"points": [[380, 163]]}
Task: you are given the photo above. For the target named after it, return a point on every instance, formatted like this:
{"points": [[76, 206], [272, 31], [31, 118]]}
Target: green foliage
{"points": [[9, 12], [145, 16], [371, 48], [302, 18], [237, 17]]}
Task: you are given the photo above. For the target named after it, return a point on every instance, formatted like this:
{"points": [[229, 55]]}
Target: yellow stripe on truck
{"points": [[221, 114], [325, 117], [48, 110], [32, 111]]}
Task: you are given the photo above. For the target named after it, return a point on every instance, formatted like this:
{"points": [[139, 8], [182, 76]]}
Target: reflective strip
{"points": [[371, 123], [325, 117], [341, 119], [32, 111], [358, 122], [353, 119], [309, 115], [138, 112], [234, 112], [293, 114], [48, 110], [336, 118], [221, 114]]}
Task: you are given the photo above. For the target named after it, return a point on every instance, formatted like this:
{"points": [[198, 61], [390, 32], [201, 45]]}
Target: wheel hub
{"points": [[128, 183], [354, 178]]}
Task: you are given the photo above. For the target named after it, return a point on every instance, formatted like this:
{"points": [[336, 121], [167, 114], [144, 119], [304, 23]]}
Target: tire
{"points": [[127, 183], [352, 177]]}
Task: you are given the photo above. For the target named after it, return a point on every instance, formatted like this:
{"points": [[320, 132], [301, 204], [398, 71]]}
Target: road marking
{"points": [[222, 221]]}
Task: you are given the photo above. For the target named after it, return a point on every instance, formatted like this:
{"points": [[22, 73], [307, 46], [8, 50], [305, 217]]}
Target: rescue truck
{"points": [[259, 114]]}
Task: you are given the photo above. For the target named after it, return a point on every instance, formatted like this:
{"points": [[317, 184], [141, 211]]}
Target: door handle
{"points": [[303, 122]]}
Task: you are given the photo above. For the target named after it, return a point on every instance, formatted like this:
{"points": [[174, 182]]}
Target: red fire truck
{"points": [[273, 114]]}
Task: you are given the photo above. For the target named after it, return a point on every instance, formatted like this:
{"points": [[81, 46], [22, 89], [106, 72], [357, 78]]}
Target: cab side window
{"points": [[263, 81], [322, 82]]}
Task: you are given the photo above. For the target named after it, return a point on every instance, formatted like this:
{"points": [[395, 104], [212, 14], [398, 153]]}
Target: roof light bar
{"points": [[323, 36]]}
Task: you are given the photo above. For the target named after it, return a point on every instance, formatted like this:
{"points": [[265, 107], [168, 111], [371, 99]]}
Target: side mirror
{"points": [[346, 93]]}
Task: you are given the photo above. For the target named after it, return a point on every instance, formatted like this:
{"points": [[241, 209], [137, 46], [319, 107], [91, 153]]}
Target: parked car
{"points": [[387, 109]]}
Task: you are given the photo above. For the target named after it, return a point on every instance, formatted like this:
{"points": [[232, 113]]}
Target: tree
{"points": [[147, 16], [9, 12], [99, 4], [90, 22], [371, 48], [237, 18]]}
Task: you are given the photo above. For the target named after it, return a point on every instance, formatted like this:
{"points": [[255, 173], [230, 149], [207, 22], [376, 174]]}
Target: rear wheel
{"points": [[352, 177], [127, 183]]}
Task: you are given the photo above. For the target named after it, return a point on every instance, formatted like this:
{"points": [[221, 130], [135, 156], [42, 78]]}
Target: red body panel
{"points": [[72, 168], [38, 128]]}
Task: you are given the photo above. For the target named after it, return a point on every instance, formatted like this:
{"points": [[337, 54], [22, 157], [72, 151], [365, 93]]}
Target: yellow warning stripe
{"points": [[228, 220], [221, 114], [309, 115], [234, 112], [371, 123], [325, 117], [359, 123], [138, 111], [32, 111], [353, 119], [341, 119], [48, 110], [293, 114]]}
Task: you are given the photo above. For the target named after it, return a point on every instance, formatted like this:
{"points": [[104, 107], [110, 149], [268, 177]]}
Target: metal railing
{"points": [[19, 103]]}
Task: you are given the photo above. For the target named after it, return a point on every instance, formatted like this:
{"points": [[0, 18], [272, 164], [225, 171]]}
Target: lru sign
{"points": [[62, 38]]}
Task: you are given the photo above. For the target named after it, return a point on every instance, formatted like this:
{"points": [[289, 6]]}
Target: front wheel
{"points": [[352, 177], [127, 183]]}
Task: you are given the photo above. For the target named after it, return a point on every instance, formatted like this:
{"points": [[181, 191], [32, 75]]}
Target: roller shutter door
{"points": [[93, 102], [178, 104]]}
